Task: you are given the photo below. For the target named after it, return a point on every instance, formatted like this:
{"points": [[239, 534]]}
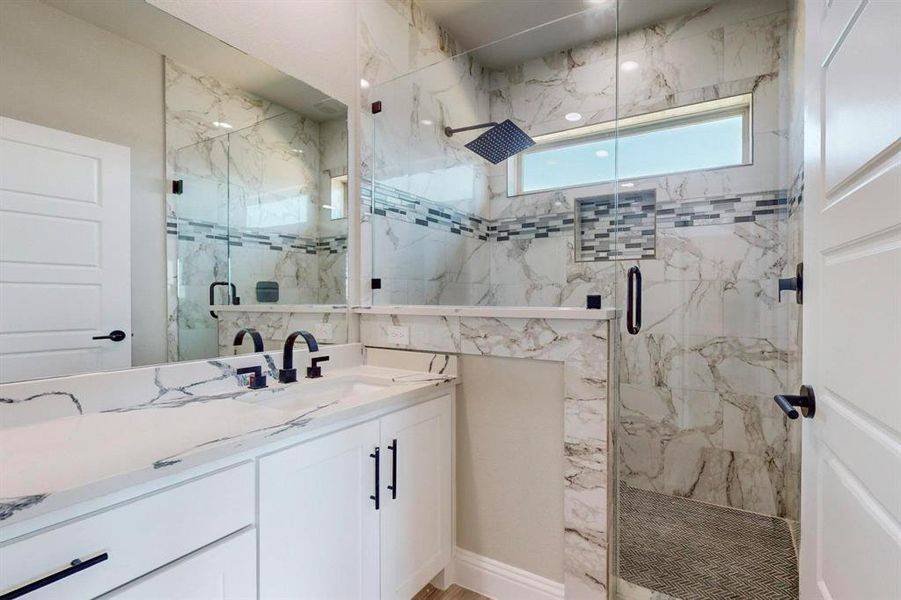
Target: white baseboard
{"points": [[500, 581]]}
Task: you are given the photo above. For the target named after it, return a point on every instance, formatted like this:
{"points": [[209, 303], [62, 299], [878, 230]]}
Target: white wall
{"points": [[313, 40], [60, 72]]}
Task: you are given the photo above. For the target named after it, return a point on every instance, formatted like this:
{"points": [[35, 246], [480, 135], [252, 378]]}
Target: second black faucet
{"points": [[288, 374]]}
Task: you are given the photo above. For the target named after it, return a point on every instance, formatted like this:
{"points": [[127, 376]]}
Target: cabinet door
{"points": [[318, 527], [226, 570], [416, 515]]}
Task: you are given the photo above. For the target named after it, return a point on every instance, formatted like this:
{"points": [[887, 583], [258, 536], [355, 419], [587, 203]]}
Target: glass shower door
{"points": [[707, 467], [201, 221]]}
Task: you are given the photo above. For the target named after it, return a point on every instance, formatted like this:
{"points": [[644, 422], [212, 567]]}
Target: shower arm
{"points": [[449, 131]]}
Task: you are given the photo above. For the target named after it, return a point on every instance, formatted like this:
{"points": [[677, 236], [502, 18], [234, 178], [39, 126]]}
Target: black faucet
{"points": [[254, 334], [288, 374]]}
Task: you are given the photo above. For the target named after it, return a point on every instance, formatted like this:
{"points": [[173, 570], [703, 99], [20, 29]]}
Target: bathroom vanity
{"points": [[338, 487]]}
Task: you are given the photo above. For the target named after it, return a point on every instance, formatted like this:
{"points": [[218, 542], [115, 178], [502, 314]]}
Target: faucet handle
{"points": [[256, 379], [314, 370]]}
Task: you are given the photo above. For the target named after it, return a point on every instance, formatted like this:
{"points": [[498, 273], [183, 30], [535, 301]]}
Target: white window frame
{"points": [[740, 105]]}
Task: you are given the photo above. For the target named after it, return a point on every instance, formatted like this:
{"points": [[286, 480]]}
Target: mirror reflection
{"points": [[232, 175]]}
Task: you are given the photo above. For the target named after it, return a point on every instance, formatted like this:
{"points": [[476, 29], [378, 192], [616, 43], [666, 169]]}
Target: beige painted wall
{"points": [[509, 458], [60, 72]]}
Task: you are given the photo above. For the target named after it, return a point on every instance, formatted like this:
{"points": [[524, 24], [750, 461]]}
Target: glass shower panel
{"points": [[273, 210], [201, 220], [698, 439], [449, 227]]}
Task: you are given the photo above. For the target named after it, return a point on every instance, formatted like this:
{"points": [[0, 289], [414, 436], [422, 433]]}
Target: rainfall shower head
{"points": [[499, 143]]}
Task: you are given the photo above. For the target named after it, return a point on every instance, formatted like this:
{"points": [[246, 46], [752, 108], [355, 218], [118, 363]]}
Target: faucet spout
{"points": [[288, 374], [254, 334]]}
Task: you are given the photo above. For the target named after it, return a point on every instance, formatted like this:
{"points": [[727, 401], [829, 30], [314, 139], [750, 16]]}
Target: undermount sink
{"points": [[310, 394]]}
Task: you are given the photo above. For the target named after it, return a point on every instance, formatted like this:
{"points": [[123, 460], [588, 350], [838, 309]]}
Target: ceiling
{"points": [[139, 22], [544, 26]]}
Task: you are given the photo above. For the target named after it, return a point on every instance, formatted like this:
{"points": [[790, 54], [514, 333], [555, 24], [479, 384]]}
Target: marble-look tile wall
{"points": [[274, 327], [251, 209], [697, 414]]}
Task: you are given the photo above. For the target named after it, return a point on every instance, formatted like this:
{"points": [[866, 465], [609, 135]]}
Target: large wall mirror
{"points": [[159, 190]]}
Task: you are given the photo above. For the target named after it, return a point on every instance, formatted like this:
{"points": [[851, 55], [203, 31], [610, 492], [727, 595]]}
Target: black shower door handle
{"points": [[633, 301]]}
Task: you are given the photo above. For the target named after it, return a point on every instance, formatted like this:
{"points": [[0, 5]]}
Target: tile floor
{"points": [[682, 549]]}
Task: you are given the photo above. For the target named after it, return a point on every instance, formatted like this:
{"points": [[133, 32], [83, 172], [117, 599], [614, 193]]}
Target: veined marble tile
{"points": [[438, 334]]}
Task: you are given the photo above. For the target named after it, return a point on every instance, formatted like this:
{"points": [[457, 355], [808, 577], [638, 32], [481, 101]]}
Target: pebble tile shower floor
{"points": [[695, 551]]}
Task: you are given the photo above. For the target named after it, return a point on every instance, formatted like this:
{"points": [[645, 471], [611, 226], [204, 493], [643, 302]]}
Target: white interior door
{"points": [[65, 251], [851, 461]]}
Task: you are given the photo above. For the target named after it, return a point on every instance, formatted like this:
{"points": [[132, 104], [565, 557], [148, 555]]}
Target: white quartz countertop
{"points": [[499, 312], [55, 463]]}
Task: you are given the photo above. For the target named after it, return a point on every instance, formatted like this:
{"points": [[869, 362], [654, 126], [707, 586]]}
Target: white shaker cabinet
{"points": [[321, 535], [318, 527], [416, 513]]}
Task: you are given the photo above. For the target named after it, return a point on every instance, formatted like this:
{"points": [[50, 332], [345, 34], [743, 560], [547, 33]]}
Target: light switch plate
{"points": [[398, 334], [324, 332]]}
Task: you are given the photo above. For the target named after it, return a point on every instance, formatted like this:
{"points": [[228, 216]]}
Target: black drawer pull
{"points": [[375, 496], [76, 566], [393, 486]]}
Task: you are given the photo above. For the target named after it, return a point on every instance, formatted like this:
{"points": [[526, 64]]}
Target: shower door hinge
{"points": [[178, 186], [376, 283], [376, 107]]}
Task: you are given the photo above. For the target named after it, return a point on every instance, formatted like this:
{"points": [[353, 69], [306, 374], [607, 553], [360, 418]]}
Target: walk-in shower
{"points": [[664, 146]]}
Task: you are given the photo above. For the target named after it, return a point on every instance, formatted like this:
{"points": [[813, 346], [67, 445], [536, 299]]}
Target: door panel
{"points": [[851, 495], [416, 524], [65, 268], [318, 528]]}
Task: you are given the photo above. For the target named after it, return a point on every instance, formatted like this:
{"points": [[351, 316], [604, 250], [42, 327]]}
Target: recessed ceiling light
{"points": [[627, 185], [573, 116], [628, 66], [601, 153], [222, 125], [426, 122], [364, 84], [328, 206]]}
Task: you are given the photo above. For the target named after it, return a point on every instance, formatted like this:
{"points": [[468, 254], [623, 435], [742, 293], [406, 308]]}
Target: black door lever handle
{"points": [[806, 401], [116, 335]]}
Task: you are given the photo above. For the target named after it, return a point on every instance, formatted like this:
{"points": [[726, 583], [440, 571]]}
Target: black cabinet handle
{"points": [[805, 400], [116, 335], [375, 497], [633, 301], [393, 486], [74, 567]]}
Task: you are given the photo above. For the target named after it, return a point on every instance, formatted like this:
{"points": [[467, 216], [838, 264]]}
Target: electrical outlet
{"points": [[324, 332], [398, 334]]}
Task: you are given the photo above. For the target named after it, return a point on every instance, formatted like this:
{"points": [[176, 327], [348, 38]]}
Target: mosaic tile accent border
{"points": [[723, 210], [632, 234], [403, 206], [638, 218], [192, 230]]}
